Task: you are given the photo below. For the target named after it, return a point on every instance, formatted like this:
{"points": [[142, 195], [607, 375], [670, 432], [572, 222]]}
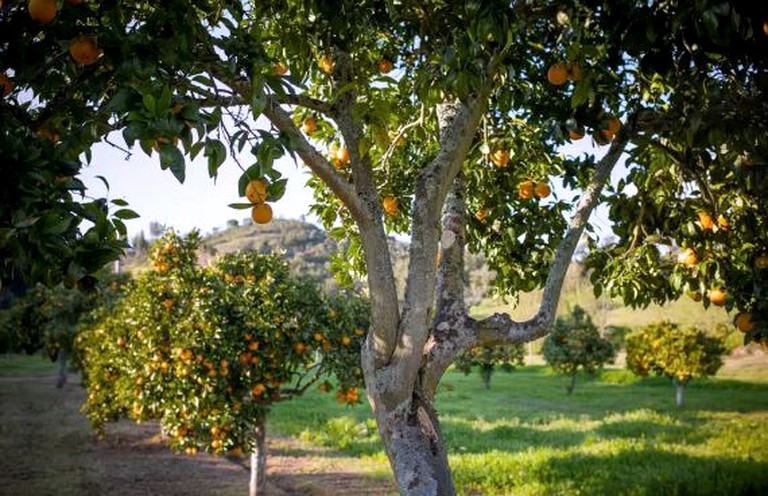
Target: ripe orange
{"points": [[261, 213], [614, 124], [299, 348], [706, 221], [309, 126], [557, 74], [6, 85], [258, 389], [280, 69], [42, 11], [687, 257], [542, 190], [761, 262], [481, 215], [500, 158], [602, 136], [326, 64], [575, 134], [390, 205], [340, 158], [574, 71], [716, 297], [744, 322], [84, 50], [526, 190], [385, 66], [346, 341], [256, 191]]}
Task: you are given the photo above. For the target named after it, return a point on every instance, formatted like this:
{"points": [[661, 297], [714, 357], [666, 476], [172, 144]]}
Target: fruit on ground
{"points": [[526, 190], [716, 297], [84, 50], [384, 66], [309, 125], [744, 322], [687, 257], [256, 191], [262, 213], [390, 205], [500, 158], [557, 74], [42, 11], [542, 190]]}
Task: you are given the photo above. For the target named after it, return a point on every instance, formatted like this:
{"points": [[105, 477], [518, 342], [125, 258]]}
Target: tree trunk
{"points": [[417, 453], [258, 483], [570, 387], [486, 371], [679, 389], [61, 357]]}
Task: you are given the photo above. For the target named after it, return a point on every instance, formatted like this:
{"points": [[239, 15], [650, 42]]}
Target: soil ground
{"points": [[48, 448]]}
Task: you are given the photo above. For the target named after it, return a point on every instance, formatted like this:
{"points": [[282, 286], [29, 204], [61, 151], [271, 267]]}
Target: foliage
{"points": [[680, 353], [487, 358], [207, 351], [574, 344]]}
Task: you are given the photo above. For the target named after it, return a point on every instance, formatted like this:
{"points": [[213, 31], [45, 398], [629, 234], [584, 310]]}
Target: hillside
{"points": [[308, 249]]}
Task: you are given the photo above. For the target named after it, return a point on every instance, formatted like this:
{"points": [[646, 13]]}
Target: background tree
{"points": [[207, 351], [487, 358], [441, 119], [574, 343], [681, 354]]}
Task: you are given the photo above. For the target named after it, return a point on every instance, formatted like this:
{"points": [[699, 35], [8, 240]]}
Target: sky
{"points": [[201, 202]]}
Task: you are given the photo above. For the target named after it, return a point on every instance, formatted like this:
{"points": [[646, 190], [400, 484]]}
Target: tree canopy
{"points": [[441, 119]]}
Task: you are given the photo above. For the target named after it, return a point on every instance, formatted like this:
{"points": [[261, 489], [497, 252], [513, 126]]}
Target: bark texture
{"points": [[258, 482]]}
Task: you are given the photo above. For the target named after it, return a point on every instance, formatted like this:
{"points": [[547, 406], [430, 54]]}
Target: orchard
{"points": [[460, 133], [206, 351]]}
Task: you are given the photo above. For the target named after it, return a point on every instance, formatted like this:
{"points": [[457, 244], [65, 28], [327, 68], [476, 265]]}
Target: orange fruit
{"points": [[716, 297], [258, 389], [706, 221], [326, 64], [687, 257], [280, 69], [385, 66], [765, 27], [84, 50], [481, 215], [256, 191], [500, 158], [575, 134], [542, 190], [722, 222], [744, 322], [299, 348], [526, 190], [42, 11], [574, 71], [557, 74], [340, 158], [261, 213], [390, 205], [309, 125], [346, 341], [614, 124], [761, 262], [6, 86], [602, 136]]}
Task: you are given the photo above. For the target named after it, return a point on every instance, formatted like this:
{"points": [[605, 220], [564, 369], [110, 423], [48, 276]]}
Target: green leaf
{"points": [[119, 202], [240, 206], [125, 214], [171, 157], [216, 153]]}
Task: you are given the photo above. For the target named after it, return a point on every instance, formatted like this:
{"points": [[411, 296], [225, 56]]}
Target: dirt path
{"points": [[48, 448]]}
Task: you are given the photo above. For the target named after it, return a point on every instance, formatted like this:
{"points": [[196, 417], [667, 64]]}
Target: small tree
{"points": [[574, 343], [486, 358], [679, 353], [207, 351]]}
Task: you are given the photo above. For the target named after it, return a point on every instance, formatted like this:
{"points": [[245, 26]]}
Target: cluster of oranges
{"points": [[83, 49], [528, 189], [708, 224], [256, 192], [328, 65], [349, 396], [560, 73]]}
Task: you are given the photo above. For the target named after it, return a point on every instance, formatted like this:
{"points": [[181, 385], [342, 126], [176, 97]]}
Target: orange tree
{"points": [[487, 358], [453, 112], [206, 351], [574, 344], [681, 354]]}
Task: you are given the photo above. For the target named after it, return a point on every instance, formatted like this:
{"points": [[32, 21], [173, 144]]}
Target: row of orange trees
{"points": [[207, 350]]}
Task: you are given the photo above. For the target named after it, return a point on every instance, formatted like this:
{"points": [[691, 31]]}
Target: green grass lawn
{"points": [[26, 365], [613, 435]]}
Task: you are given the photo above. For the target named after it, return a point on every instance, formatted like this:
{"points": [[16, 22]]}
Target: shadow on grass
{"points": [[462, 438], [654, 472]]}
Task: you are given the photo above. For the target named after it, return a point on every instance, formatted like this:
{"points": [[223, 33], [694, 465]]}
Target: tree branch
{"points": [[306, 102]]}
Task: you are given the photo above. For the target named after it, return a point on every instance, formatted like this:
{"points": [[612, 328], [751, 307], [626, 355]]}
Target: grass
{"points": [[615, 434], [20, 365]]}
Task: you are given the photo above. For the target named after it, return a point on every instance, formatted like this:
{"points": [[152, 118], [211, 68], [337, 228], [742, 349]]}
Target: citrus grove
{"points": [[207, 350], [461, 134]]}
